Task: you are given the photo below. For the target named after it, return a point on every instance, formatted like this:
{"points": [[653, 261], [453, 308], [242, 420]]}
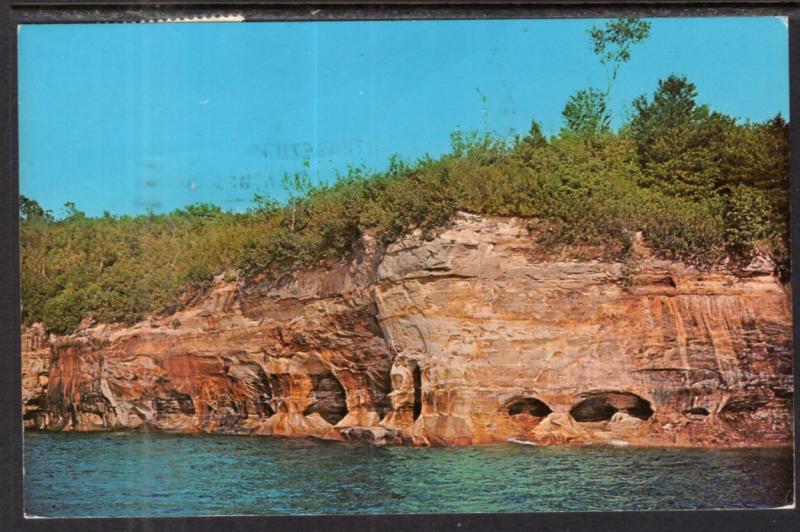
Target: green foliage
{"points": [[202, 210], [688, 151], [684, 229], [697, 184], [118, 269], [612, 43], [757, 155], [681, 145], [586, 113], [30, 210], [752, 224], [72, 212]]}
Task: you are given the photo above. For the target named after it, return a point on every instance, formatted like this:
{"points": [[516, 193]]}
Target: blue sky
{"points": [[130, 117]]}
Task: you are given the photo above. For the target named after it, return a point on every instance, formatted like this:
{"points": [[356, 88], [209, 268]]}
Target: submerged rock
{"points": [[374, 435], [469, 337]]}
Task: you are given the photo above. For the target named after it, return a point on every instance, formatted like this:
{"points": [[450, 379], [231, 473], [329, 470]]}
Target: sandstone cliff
{"points": [[463, 338]]}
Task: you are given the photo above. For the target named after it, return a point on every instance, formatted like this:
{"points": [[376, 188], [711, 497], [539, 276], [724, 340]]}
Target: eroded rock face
{"points": [[291, 357], [36, 350], [469, 337]]}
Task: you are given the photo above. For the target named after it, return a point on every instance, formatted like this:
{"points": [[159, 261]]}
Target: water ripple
{"points": [[113, 475]]}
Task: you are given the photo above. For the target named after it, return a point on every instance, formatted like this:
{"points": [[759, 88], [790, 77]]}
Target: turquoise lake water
{"points": [[133, 474]]}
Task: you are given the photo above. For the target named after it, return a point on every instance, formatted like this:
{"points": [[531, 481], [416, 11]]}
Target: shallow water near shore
{"points": [[134, 474]]}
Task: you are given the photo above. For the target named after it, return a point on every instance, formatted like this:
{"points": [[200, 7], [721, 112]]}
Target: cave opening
{"points": [[603, 406], [528, 405], [744, 404], [174, 403], [697, 411], [417, 374], [263, 405], [330, 399]]}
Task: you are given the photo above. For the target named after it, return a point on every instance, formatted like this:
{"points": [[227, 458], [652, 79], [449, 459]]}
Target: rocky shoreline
{"points": [[466, 337]]}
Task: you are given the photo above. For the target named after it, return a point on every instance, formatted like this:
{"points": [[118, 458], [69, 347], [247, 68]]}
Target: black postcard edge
{"points": [[11, 516]]}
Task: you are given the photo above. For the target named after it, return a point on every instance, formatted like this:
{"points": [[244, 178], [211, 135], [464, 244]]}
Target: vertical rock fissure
{"points": [[417, 373]]}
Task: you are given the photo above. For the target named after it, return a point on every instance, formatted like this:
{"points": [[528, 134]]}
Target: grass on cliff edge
{"points": [[698, 184]]}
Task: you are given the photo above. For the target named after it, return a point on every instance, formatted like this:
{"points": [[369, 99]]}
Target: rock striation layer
{"points": [[466, 337]]}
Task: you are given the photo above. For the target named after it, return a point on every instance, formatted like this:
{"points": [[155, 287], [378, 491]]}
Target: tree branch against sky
{"points": [[613, 42], [588, 111]]}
